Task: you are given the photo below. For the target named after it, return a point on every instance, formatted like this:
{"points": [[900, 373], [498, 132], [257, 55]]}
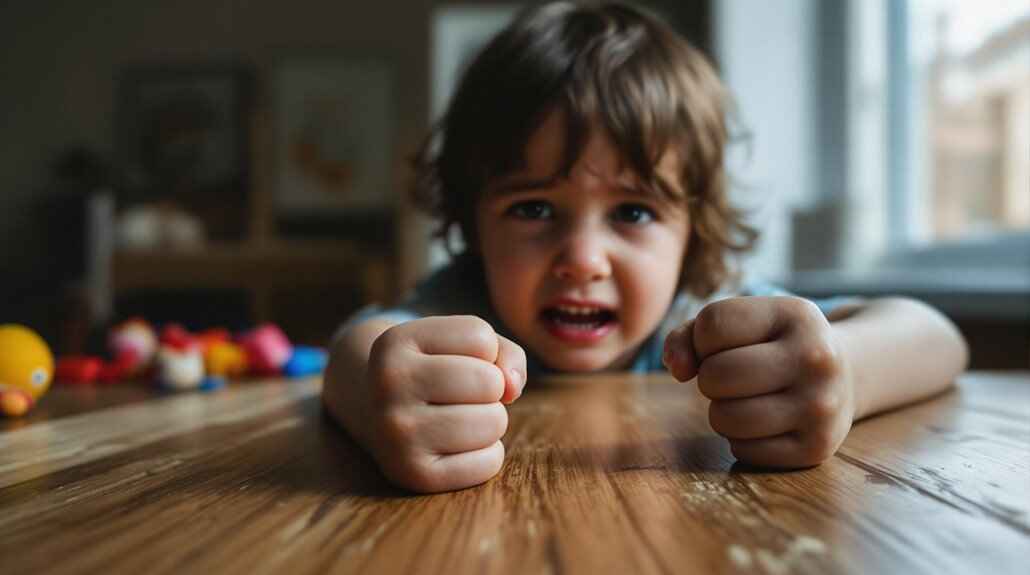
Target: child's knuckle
{"points": [[713, 372], [386, 343], [801, 308], [821, 361], [709, 319], [490, 379], [387, 380], [480, 334], [822, 406], [397, 427]]}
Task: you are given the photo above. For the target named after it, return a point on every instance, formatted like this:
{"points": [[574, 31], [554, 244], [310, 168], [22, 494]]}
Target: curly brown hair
{"points": [[608, 65]]}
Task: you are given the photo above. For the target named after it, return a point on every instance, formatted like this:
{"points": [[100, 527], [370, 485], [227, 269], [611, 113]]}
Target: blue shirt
{"points": [[459, 288]]}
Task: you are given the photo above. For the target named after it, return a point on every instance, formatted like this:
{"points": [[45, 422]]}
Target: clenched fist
{"points": [[780, 389], [433, 413]]}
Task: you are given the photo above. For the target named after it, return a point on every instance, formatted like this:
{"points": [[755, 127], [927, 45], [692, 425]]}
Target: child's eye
{"points": [[531, 210], [633, 214]]}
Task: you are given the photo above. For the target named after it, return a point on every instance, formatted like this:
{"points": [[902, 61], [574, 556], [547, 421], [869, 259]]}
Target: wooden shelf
{"points": [[258, 269], [260, 264], [242, 266]]}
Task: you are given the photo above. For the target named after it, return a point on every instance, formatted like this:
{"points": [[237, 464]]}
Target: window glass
{"points": [[971, 74]]}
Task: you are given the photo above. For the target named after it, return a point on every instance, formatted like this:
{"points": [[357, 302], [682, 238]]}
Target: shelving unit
{"points": [[256, 269], [258, 265]]}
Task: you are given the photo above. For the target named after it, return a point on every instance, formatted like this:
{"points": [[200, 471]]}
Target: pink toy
{"points": [[267, 349], [133, 344]]}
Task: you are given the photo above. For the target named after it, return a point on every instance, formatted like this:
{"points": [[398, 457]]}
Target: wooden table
{"points": [[615, 474]]}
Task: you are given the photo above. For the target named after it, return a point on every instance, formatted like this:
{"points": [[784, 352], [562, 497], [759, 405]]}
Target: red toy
{"points": [[117, 370], [178, 338], [133, 344], [78, 369]]}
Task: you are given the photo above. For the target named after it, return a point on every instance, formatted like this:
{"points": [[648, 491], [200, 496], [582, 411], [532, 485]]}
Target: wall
{"points": [[764, 49]]}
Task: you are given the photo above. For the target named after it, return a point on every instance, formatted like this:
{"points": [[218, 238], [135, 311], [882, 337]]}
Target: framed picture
{"points": [[182, 134], [333, 134]]}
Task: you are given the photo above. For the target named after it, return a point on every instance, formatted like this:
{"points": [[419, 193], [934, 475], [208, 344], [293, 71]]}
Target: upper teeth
{"points": [[575, 310]]}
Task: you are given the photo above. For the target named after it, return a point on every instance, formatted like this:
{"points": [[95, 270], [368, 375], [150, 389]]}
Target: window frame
{"points": [[980, 276], [908, 242]]}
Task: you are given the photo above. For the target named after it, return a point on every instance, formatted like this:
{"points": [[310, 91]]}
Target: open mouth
{"points": [[578, 323]]}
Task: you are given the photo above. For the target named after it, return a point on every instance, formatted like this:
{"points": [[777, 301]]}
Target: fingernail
{"points": [[667, 355], [516, 380]]}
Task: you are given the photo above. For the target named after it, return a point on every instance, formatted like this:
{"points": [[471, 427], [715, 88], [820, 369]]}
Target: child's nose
{"points": [[583, 258]]}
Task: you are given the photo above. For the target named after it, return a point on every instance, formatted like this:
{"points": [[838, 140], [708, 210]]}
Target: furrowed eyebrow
{"points": [[518, 185], [659, 190]]}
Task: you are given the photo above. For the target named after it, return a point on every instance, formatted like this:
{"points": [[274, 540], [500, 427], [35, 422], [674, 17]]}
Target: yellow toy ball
{"points": [[26, 368], [224, 359]]}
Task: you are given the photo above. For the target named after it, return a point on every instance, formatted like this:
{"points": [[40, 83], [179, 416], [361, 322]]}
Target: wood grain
{"points": [[614, 474]]}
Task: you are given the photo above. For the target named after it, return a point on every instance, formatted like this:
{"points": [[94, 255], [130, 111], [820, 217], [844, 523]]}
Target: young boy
{"points": [[582, 160]]}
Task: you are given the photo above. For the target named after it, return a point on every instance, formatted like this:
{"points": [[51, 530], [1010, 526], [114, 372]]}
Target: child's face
{"points": [[581, 271]]}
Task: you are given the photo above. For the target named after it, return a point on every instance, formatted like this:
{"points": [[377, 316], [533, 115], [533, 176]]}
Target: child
{"points": [[582, 160]]}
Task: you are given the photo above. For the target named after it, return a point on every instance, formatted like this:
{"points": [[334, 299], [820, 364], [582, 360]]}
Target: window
{"points": [[965, 104], [897, 135], [971, 62], [937, 135]]}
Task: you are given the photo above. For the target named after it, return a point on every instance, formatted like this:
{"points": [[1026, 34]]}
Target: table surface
{"points": [[611, 473]]}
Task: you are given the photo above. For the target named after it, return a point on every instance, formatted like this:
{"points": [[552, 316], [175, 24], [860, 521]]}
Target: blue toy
{"points": [[305, 361], [211, 383]]}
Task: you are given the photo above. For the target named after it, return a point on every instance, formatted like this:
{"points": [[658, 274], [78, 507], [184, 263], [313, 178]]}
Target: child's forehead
{"points": [[595, 173], [547, 157]]}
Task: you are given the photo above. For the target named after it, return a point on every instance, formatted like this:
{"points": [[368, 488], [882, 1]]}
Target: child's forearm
{"points": [[344, 392], [898, 351]]}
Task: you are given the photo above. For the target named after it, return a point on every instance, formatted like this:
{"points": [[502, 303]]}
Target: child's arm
{"points": [[424, 397], [786, 384], [900, 351]]}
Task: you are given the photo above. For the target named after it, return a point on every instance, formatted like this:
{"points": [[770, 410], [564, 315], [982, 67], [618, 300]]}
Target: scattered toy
{"points": [[133, 344], [26, 369], [212, 383], [78, 369], [267, 349], [225, 359], [305, 361], [180, 368]]}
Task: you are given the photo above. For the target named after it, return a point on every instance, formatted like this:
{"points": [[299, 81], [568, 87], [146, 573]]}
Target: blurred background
{"points": [[221, 163]]}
